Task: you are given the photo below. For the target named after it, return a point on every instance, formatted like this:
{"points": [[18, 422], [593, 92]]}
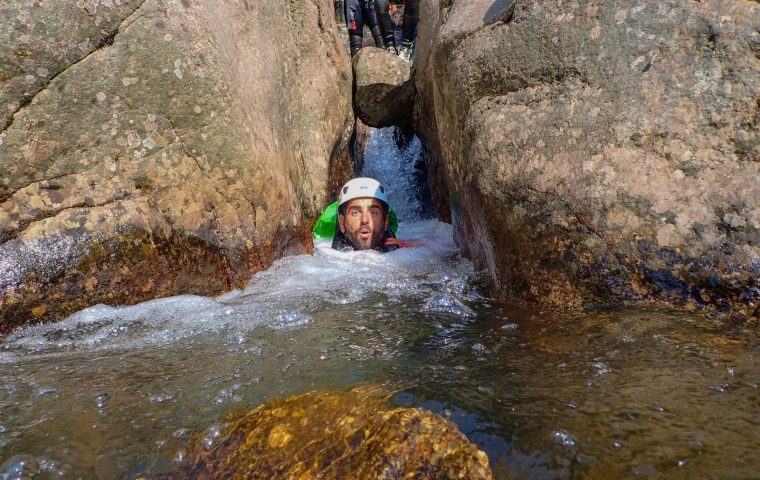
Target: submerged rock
{"points": [[595, 151], [384, 90], [155, 148], [330, 435]]}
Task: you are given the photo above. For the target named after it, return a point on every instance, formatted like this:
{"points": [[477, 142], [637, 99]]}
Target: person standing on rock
{"points": [[359, 12], [384, 9], [408, 28], [340, 11]]}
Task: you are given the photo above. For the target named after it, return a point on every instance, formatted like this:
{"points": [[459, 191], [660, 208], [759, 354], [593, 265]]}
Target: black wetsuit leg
{"points": [[359, 12], [411, 20], [370, 16], [355, 24], [382, 8]]}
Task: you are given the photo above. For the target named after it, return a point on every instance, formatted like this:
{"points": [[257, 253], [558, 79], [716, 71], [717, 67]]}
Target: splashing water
{"points": [[275, 299], [398, 168], [115, 392]]}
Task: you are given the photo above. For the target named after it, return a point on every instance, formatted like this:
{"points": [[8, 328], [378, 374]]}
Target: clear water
{"points": [[628, 392]]}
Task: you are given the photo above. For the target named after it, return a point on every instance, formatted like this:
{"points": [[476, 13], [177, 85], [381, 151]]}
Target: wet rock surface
{"points": [[593, 152], [384, 90], [153, 147], [336, 435]]}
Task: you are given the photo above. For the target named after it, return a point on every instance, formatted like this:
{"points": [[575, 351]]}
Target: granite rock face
{"points": [[153, 147], [384, 90], [597, 151], [336, 435]]}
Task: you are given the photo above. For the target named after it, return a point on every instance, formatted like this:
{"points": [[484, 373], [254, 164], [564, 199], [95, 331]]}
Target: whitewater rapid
{"points": [[274, 298]]}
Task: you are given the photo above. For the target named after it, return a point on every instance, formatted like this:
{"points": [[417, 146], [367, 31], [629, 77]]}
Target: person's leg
{"points": [[383, 12], [411, 19], [370, 16], [355, 24], [409, 29], [339, 12]]}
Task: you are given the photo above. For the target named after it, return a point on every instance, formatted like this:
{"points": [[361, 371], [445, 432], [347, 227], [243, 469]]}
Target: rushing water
{"points": [[113, 392]]}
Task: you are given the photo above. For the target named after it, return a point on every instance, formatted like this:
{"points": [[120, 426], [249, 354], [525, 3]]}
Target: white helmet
{"points": [[360, 188]]}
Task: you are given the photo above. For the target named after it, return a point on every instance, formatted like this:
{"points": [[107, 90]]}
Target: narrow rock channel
{"points": [[578, 288]]}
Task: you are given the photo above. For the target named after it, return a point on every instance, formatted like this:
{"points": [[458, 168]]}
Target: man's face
{"points": [[364, 223]]}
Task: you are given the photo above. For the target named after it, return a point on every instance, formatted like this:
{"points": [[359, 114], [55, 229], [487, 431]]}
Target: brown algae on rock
{"points": [[336, 435]]}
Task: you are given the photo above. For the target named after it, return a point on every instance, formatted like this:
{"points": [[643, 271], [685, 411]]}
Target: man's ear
{"points": [[342, 223], [387, 218]]}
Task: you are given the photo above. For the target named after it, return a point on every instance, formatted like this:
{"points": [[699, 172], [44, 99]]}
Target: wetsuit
{"points": [[390, 243], [409, 26], [359, 12], [411, 21], [383, 9]]}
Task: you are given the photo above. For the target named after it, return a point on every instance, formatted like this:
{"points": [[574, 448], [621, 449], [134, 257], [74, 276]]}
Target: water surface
{"points": [[628, 392]]}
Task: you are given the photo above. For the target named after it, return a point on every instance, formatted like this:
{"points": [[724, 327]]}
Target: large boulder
{"points": [[598, 151], [154, 147], [383, 88], [335, 435]]}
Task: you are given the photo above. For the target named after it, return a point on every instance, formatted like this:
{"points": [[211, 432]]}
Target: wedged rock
{"points": [[383, 88], [597, 151], [336, 435], [149, 148]]}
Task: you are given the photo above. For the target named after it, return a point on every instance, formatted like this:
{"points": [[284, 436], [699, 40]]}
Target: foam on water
{"points": [[154, 322], [430, 249], [275, 298]]}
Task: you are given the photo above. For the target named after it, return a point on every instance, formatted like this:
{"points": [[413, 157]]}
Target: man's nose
{"points": [[365, 217]]}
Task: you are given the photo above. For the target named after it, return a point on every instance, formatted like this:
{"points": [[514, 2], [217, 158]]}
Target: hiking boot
{"points": [[391, 49], [405, 53]]}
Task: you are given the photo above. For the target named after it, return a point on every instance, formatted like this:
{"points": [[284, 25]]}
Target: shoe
{"points": [[391, 49], [405, 53]]}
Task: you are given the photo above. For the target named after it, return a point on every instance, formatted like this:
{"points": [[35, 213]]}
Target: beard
{"points": [[359, 243]]}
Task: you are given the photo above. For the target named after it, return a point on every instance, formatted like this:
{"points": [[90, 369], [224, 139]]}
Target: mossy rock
{"points": [[337, 435]]}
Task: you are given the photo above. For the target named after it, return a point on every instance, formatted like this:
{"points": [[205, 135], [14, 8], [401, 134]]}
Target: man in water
{"points": [[408, 29], [363, 217]]}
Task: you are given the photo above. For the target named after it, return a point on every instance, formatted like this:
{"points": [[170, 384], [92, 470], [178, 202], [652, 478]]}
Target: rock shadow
{"points": [[500, 11]]}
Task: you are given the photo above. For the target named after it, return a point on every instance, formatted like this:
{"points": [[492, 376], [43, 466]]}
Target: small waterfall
{"points": [[397, 162]]}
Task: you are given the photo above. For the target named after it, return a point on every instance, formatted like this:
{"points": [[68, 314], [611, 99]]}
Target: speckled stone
{"points": [[160, 148], [383, 88], [592, 152]]}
